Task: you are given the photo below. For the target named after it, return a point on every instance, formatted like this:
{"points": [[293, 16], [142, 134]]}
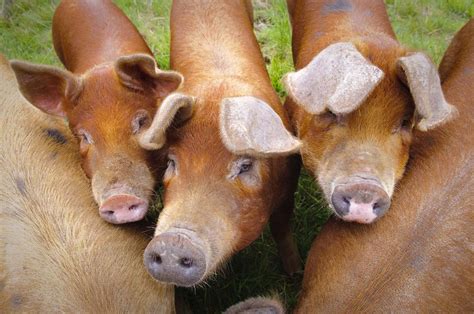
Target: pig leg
{"points": [[281, 232]]}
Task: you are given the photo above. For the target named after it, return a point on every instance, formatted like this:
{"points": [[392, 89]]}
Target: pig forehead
{"points": [[102, 88]]}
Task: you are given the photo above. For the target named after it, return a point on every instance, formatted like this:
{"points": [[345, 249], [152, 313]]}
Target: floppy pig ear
{"points": [[249, 126], [421, 76], [257, 305], [46, 87], [139, 72], [339, 78], [175, 107]]}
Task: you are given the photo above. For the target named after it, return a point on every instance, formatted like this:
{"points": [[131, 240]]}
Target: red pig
{"points": [[355, 100], [109, 95], [55, 255], [229, 147], [419, 258]]}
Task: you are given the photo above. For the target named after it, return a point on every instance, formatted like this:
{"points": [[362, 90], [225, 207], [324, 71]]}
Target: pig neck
{"points": [[89, 33], [213, 46], [317, 24]]}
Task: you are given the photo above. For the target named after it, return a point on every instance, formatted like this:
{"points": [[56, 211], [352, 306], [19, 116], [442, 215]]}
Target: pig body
{"points": [[228, 168], [355, 100], [418, 258], [109, 95], [56, 256]]}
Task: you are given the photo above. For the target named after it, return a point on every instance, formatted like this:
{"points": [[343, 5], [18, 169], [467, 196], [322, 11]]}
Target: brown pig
{"points": [[109, 96], [419, 258], [355, 100], [55, 255], [229, 147]]}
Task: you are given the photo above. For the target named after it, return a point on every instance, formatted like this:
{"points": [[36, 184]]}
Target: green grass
{"points": [[427, 25]]}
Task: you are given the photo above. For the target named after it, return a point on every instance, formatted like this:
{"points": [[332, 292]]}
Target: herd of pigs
{"points": [[215, 134]]}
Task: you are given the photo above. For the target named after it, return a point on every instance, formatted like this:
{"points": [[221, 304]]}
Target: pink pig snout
{"points": [[123, 208], [361, 202]]}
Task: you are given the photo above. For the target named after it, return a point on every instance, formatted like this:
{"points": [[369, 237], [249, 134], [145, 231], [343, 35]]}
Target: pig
{"points": [[109, 94], [232, 159], [56, 256], [355, 99], [417, 259], [261, 305]]}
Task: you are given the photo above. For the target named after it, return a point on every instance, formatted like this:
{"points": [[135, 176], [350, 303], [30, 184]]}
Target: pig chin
{"points": [[122, 197], [185, 254], [358, 196]]}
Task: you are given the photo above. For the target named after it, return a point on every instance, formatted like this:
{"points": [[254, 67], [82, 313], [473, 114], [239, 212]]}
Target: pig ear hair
{"points": [[338, 79], [257, 305], [248, 126], [175, 108], [420, 75], [46, 87], [139, 72]]}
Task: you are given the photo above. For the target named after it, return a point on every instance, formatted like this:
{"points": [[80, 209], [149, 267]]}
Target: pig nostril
{"points": [[346, 200], [156, 259], [109, 212], [186, 262], [133, 207]]}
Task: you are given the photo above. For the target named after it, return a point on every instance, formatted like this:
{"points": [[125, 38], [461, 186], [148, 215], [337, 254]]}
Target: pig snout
{"points": [[119, 209], [360, 202], [173, 257]]}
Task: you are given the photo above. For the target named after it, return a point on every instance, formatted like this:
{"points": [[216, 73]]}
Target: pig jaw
{"points": [[358, 182], [185, 251], [122, 188]]}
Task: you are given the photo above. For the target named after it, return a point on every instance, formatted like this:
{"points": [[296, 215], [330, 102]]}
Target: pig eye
{"points": [[85, 137], [240, 167], [171, 163], [329, 118], [171, 168], [404, 125], [245, 166], [140, 120]]}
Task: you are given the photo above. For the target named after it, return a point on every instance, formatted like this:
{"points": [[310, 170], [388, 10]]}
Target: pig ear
{"points": [[175, 108], [249, 126], [47, 88], [257, 305], [339, 78], [419, 73], [139, 72]]}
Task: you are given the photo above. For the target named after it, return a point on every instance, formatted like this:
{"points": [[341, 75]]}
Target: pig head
{"points": [[107, 108], [226, 173], [356, 119]]}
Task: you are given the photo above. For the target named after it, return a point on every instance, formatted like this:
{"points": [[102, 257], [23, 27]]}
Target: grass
{"points": [[427, 25]]}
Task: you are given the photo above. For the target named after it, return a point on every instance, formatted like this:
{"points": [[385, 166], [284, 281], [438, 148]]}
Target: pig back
{"points": [[56, 252]]}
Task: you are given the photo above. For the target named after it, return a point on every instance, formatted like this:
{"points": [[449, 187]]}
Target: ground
{"points": [[427, 25]]}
